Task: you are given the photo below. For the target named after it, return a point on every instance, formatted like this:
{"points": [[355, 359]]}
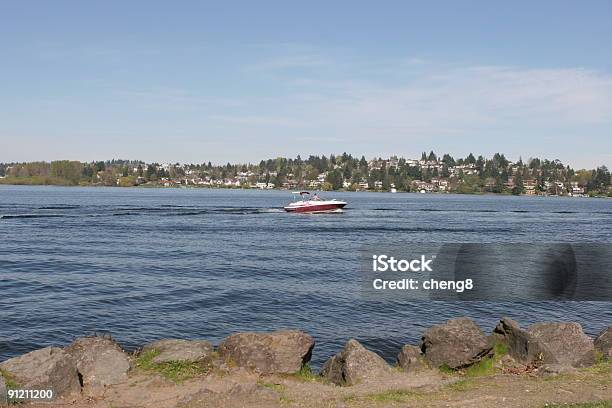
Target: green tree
{"points": [[448, 160], [327, 186], [335, 179], [70, 171]]}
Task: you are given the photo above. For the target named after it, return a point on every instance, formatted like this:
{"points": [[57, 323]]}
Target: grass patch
{"points": [[447, 370], [11, 384], [603, 367], [484, 367], [177, 371], [274, 387], [394, 396], [595, 404], [306, 374], [278, 388], [9, 380], [500, 349], [462, 385]]}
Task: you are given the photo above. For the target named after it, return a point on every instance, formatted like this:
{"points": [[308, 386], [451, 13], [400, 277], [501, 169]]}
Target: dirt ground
{"points": [[425, 389]]}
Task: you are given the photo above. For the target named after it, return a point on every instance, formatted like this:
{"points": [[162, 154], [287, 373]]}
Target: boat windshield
{"points": [[306, 196]]}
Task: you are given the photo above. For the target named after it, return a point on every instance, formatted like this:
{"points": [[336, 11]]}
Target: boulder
{"points": [[50, 368], [410, 358], [100, 362], [180, 350], [603, 343], [458, 343], [566, 342], [354, 364], [522, 346], [284, 351]]}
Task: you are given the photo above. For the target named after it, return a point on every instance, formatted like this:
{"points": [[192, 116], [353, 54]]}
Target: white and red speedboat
{"points": [[313, 204]]}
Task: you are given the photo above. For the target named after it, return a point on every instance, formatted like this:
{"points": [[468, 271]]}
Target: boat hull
{"points": [[314, 208]]}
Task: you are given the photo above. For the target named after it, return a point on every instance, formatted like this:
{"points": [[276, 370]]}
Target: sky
{"points": [[231, 81]]}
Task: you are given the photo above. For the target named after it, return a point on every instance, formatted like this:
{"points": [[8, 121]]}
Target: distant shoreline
{"points": [[191, 187]]}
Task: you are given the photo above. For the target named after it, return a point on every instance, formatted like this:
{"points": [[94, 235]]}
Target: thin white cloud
{"points": [[529, 111], [459, 99]]}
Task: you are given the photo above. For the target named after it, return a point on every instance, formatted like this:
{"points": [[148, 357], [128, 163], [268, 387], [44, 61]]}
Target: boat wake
{"points": [[138, 211]]}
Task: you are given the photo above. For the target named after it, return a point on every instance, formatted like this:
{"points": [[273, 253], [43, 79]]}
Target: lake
{"points": [[144, 264]]}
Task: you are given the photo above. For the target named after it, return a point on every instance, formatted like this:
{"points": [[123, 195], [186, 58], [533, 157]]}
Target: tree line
{"points": [[468, 174]]}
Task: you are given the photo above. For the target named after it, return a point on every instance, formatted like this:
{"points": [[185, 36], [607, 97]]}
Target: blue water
{"points": [[144, 264]]}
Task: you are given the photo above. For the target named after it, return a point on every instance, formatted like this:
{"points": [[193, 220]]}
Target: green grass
{"points": [[599, 357], [446, 369], [481, 368], [596, 404], [462, 385], [306, 374], [500, 349], [394, 396], [177, 371], [278, 388], [273, 386], [10, 382], [484, 367], [37, 180], [602, 367]]}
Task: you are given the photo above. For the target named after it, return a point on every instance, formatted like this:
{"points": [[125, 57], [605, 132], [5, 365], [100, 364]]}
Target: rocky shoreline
{"points": [[95, 371]]}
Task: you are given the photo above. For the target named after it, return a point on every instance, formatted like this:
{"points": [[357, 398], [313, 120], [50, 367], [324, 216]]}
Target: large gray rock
{"points": [[603, 343], [566, 342], [522, 346], [354, 364], [180, 350], [410, 359], [100, 362], [50, 368], [284, 351], [456, 344]]}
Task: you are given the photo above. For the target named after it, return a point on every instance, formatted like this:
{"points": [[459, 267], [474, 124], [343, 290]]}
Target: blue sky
{"points": [[241, 81]]}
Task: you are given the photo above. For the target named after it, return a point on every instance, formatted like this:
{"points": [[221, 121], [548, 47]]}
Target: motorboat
{"points": [[305, 202]]}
